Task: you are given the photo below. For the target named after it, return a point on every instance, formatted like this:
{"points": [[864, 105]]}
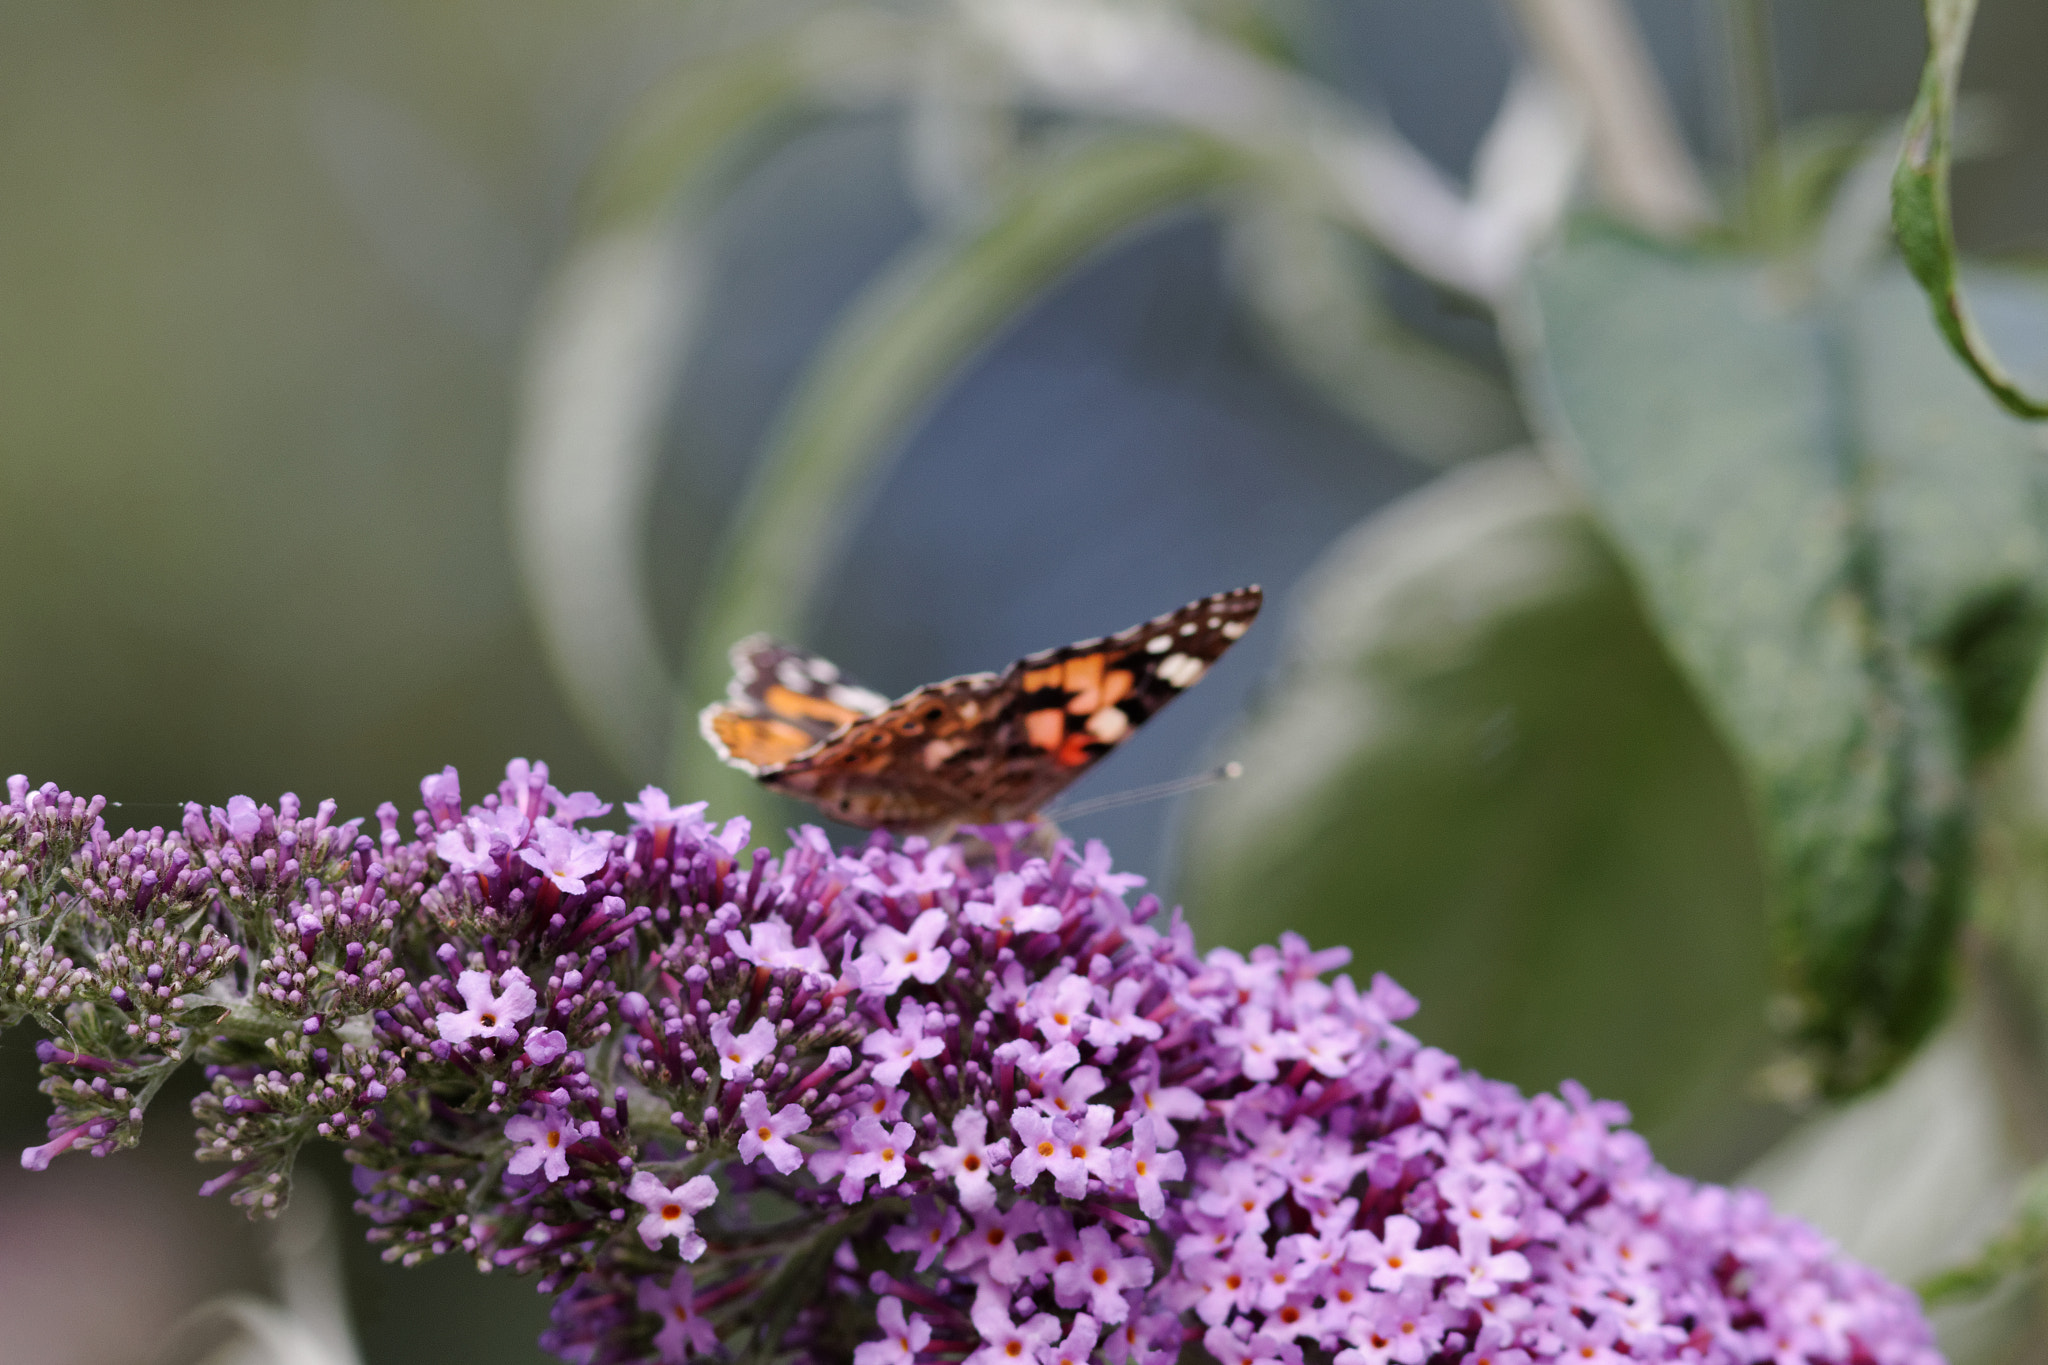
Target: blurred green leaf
{"points": [[1845, 546], [1481, 771], [2022, 1245], [1922, 217], [886, 360]]}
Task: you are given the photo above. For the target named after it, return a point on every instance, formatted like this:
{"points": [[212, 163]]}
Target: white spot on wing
{"points": [[1231, 630], [1109, 725], [1182, 670], [856, 698], [1159, 644]]}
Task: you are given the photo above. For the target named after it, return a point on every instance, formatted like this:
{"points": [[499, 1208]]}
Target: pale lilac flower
{"points": [[39, 1158], [442, 793], [672, 1212], [546, 1140], [768, 943], [1438, 1086], [768, 1135], [1230, 1347], [1080, 1152], [242, 819], [1479, 1199], [1496, 1346], [653, 811], [1003, 1341], [488, 1016], [1068, 1094], [925, 872], [1079, 1345], [992, 1246], [468, 848], [879, 1151], [1328, 1045], [503, 829], [1589, 1343], [971, 1160], [1098, 1276], [1164, 1103], [857, 1134], [891, 956], [1006, 911], [733, 837], [1097, 868], [1043, 1069], [1058, 1008], [901, 1338], [565, 856], [1042, 1143], [928, 1233], [896, 1051], [1217, 1286], [567, 810], [525, 785], [683, 1329], [1481, 1271], [1262, 1046], [545, 1045], [1414, 1329], [1118, 1021], [1394, 1258], [739, 1055], [1143, 1166], [1240, 1193]]}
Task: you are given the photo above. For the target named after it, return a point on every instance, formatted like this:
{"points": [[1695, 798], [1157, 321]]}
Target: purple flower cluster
{"points": [[895, 1104]]}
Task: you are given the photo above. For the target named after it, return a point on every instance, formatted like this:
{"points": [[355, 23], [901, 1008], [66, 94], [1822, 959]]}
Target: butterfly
{"points": [[977, 749]]}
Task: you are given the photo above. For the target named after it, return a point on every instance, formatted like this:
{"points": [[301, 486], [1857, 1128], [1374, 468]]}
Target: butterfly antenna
{"points": [[1158, 791]]}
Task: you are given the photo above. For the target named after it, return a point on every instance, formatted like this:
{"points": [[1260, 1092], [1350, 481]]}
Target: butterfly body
{"points": [[976, 749]]}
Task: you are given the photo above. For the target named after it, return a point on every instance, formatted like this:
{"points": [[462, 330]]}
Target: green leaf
{"points": [[894, 350], [1480, 769], [1921, 214], [1843, 544]]}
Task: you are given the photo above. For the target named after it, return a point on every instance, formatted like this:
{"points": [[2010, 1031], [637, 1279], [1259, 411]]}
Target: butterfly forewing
{"points": [[979, 748]]}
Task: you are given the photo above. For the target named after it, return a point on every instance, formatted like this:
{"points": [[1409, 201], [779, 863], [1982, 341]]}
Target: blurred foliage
{"points": [[1923, 217], [1845, 547]]}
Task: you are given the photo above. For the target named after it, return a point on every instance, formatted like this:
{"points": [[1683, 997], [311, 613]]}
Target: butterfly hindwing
{"points": [[973, 749], [781, 702]]}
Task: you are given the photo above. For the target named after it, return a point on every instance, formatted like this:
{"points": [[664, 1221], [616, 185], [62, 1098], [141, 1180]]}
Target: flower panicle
{"points": [[979, 1101]]}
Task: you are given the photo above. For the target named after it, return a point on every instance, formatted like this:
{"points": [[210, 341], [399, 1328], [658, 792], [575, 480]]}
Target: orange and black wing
{"points": [[780, 703], [990, 747]]}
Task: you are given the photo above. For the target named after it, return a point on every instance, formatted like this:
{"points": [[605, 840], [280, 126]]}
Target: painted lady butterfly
{"points": [[970, 750]]}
